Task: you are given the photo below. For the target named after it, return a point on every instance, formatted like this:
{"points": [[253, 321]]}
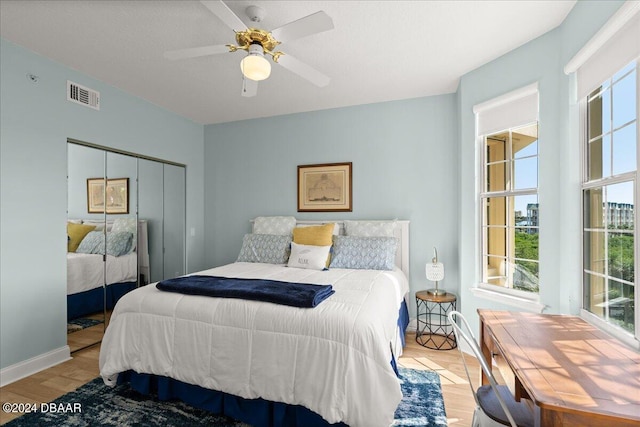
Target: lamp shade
{"points": [[254, 66], [434, 271]]}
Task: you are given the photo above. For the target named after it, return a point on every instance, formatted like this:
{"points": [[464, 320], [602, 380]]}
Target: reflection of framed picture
{"points": [[325, 187], [116, 195]]}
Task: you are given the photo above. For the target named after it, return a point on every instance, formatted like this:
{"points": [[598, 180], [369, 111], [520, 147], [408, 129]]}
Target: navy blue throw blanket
{"points": [[301, 295]]}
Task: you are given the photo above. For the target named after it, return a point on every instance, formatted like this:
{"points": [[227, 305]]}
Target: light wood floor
{"points": [[458, 400], [88, 336], [52, 383]]}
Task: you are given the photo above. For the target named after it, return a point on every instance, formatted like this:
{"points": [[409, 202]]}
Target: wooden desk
{"points": [[575, 374]]}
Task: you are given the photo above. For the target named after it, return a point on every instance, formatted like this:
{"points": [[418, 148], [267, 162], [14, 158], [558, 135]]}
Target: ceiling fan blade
{"points": [[312, 24], [249, 87], [195, 52], [225, 14], [303, 70]]}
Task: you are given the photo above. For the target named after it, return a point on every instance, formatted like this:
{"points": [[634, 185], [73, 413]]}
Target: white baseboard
{"points": [[35, 364]]}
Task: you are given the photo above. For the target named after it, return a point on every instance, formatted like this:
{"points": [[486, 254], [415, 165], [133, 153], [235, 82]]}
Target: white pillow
{"points": [[280, 225], [370, 228], [308, 256], [129, 225], [99, 224], [124, 224]]}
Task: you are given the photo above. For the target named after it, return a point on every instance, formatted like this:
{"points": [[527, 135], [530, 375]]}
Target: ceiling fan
{"points": [[259, 43]]}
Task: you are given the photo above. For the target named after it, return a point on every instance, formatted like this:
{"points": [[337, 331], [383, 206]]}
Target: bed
{"points": [[88, 272], [268, 364]]}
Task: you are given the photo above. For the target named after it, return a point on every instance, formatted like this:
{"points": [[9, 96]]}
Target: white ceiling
{"points": [[379, 50]]}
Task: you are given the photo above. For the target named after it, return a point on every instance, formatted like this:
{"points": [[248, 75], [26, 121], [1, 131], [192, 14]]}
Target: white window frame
{"points": [[614, 46], [632, 339], [502, 118]]}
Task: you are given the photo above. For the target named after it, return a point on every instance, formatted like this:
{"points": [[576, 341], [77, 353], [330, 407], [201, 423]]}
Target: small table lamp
{"points": [[435, 272]]}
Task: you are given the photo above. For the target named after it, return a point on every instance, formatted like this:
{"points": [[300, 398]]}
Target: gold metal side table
{"points": [[433, 328]]}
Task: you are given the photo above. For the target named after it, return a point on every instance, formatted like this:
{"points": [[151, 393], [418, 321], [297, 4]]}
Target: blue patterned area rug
{"points": [[422, 405], [81, 323]]}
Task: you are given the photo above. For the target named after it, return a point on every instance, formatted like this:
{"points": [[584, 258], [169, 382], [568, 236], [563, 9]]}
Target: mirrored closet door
{"points": [[174, 200], [86, 232], [126, 228], [161, 203]]}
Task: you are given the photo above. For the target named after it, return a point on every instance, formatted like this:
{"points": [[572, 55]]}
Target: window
{"points": [[507, 129], [609, 196], [510, 209]]}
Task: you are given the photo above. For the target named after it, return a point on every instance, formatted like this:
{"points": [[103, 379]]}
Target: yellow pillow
{"points": [[76, 233], [316, 235]]}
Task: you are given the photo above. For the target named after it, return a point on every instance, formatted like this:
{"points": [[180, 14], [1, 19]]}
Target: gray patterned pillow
{"points": [[267, 248], [282, 225], [365, 253], [118, 243]]}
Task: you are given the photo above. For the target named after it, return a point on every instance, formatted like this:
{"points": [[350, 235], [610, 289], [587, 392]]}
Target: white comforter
{"points": [[333, 359], [86, 271]]}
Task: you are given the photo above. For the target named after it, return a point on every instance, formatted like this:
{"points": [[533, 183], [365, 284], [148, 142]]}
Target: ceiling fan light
{"points": [[254, 66]]}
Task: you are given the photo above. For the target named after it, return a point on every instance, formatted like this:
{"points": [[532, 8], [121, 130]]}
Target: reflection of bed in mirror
{"points": [[88, 272]]}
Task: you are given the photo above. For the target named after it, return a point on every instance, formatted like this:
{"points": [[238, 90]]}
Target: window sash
{"points": [[500, 260], [605, 282]]}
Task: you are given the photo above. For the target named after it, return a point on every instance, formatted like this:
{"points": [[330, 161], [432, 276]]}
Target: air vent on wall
{"points": [[83, 95]]}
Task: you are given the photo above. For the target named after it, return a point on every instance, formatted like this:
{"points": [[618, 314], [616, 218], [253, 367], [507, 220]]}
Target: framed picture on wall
{"points": [[115, 196], [325, 188]]}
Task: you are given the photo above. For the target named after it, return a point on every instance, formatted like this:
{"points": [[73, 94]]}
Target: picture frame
{"points": [[116, 195], [325, 187]]}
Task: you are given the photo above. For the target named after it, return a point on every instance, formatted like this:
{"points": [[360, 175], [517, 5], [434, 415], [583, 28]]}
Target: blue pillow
{"points": [[364, 253], [118, 243], [93, 243], [267, 248]]}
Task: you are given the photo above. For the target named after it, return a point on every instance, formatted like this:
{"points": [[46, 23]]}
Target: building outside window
{"points": [[609, 199]]}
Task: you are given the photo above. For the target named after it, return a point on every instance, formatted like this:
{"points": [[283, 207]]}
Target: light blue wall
{"points": [[542, 60], [413, 159], [35, 122], [404, 156]]}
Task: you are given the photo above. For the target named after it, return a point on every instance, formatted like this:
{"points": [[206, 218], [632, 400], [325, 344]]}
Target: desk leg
{"points": [[486, 352], [520, 392]]}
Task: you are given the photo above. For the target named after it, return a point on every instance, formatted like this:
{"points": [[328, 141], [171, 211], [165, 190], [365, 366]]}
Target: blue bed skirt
{"points": [[93, 300], [256, 412]]}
